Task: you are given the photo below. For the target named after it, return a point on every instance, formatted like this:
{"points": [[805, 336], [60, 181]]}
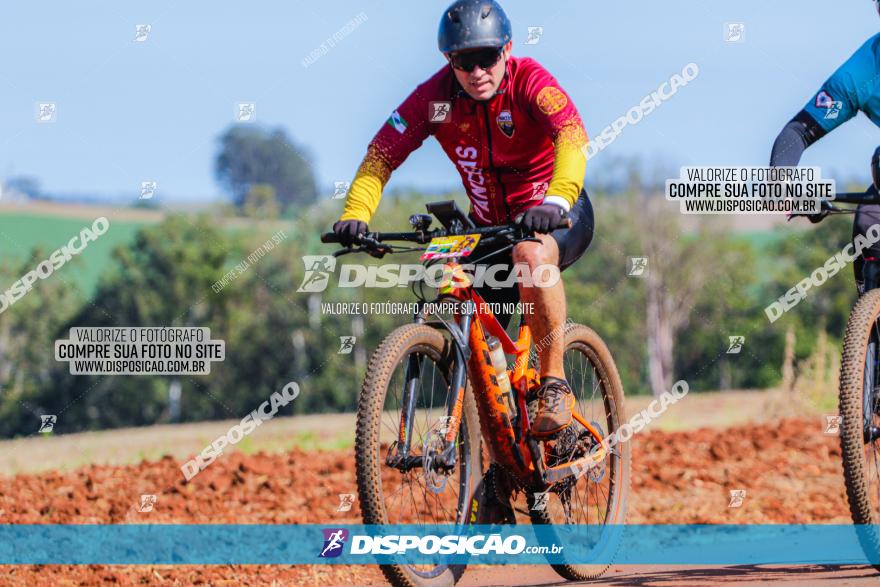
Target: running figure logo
{"points": [[736, 344], [340, 189], [246, 112], [534, 35], [637, 266], [148, 189], [834, 110], [147, 503], [346, 345], [141, 32], [832, 424], [539, 189], [48, 423], [541, 501], [334, 539], [440, 111], [735, 32], [47, 112], [737, 496], [346, 500], [318, 270]]}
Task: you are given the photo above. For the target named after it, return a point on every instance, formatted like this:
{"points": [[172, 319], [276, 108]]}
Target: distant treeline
{"points": [[700, 287]]}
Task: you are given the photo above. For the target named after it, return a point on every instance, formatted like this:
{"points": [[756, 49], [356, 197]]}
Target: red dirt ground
{"points": [[790, 470]]}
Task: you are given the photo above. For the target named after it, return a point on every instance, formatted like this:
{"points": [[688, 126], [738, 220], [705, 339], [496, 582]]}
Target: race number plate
{"points": [[443, 247]]}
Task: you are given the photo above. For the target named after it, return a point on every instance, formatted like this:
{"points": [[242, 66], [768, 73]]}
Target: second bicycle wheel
{"points": [[860, 422], [597, 501], [419, 358]]}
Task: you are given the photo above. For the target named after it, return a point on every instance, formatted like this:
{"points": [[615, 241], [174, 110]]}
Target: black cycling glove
{"points": [[543, 218], [349, 230]]}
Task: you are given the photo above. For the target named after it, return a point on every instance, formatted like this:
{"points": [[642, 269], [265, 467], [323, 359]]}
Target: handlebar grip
{"points": [[329, 237], [565, 222]]}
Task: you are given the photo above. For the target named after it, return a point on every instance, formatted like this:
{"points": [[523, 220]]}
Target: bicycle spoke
{"points": [[412, 500], [594, 403]]}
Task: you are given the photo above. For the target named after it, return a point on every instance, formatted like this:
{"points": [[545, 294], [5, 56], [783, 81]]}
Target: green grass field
{"points": [[49, 226], [21, 233]]}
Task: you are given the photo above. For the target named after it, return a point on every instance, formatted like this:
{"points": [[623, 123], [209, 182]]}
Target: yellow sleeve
{"points": [[570, 163], [366, 189]]}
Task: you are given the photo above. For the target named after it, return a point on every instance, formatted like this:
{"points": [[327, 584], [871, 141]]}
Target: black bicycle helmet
{"points": [[473, 24]]}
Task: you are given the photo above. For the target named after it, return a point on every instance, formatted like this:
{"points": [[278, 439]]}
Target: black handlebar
{"points": [[869, 197], [424, 237]]}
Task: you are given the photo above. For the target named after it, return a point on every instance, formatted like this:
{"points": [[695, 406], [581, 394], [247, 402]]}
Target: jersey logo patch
{"points": [[824, 100], [551, 100], [505, 123], [397, 122], [833, 110]]}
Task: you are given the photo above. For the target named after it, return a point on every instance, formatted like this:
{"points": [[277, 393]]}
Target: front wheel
{"points": [[859, 409], [597, 500], [411, 370]]}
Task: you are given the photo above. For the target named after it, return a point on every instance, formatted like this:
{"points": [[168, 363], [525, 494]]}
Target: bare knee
{"points": [[531, 254]]}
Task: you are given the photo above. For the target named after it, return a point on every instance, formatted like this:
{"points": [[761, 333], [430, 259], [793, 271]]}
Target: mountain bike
{"points": [[859, 392], [433, 388]]}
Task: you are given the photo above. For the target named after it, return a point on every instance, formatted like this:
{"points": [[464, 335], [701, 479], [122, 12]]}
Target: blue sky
{"points": [[129, 112]]}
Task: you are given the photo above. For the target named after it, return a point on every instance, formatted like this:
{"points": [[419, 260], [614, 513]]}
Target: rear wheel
{"points": [[424, 494], [860, 422], [597, 500]]}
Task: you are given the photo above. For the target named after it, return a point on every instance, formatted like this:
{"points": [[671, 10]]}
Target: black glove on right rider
{"points": [[347, 231], [543, 218]]}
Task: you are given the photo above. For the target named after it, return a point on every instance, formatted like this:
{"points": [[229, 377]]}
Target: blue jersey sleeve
{"points": [[849, 89]]}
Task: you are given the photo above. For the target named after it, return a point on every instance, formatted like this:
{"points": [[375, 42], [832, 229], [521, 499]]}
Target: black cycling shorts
{"points": [[573, 242]]}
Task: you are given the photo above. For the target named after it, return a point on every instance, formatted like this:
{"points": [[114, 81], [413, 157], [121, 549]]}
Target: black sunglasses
{"points": [[485, 58]]}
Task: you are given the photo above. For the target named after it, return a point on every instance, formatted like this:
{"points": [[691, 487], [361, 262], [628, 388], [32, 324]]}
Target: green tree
{"points": [[164, 278], [253, 155], [28, 330]]}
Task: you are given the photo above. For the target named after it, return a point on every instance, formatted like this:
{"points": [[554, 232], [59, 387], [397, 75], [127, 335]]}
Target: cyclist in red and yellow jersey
{"points": [[519, 145]]}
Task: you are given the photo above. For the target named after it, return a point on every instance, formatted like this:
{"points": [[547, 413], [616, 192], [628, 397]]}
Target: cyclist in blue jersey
{"points": [[853, 88]]}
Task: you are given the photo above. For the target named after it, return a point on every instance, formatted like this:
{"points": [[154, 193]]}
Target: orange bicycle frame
{"points": [[509, 442]]}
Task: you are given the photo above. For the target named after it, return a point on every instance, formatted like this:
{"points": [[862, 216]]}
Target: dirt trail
{"points": [[790, 470]]}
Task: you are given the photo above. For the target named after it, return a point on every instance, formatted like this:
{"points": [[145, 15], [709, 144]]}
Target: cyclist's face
{"points": [[482, 83]]}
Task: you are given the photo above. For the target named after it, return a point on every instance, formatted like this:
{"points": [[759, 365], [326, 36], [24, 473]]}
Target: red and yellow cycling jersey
{"points": [[522, 147]]}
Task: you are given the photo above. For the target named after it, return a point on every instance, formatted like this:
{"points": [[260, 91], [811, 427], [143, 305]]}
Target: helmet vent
{"points": [[486, 10]]}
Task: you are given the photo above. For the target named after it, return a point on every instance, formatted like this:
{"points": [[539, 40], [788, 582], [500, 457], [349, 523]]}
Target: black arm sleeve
{"points": [[791, 143]]}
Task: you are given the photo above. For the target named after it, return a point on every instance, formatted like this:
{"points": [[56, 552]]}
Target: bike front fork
{"points": [[400, 455]]}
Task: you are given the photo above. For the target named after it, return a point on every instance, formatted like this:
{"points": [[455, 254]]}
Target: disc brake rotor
{"points": [[435, 479]]}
